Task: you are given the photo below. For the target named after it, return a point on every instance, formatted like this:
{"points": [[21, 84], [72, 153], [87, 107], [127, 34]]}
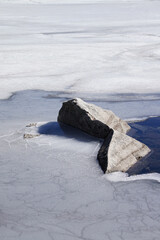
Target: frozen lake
{"points": [[106, 52], [108, 47], [53, 188]]}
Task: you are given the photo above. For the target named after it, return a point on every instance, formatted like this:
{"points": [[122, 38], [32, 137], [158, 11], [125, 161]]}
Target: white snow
{"points": [[109, 47], [63, 1], [123, 177]]}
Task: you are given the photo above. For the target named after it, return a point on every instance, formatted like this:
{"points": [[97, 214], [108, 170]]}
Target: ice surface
{"points": [[65, 1], [123, 177], [110, 47], [51, 188]]}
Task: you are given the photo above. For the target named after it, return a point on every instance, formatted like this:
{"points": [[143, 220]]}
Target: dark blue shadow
{"points": [[62, 130]]}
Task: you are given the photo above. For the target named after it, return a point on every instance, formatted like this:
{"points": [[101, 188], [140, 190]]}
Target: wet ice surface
{"points": [[148, 132], [53, 188]]}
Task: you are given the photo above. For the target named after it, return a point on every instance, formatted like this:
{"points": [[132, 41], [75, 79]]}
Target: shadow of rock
{"points": [[62, 130]]}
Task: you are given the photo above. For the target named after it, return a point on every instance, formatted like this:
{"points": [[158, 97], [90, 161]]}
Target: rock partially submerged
{"points": [[123, 152], [118, 152]]}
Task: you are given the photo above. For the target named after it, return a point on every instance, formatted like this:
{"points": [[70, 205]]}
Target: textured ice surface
{"points": [[66, 1], [110, 47]]}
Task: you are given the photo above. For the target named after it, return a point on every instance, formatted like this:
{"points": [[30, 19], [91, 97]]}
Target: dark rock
{"points": [[103, 152], [90, 118], [118, 151]]}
